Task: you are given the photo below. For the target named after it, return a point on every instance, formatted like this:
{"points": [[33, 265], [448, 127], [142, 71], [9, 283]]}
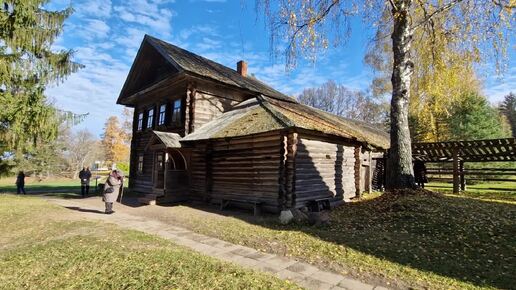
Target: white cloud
{"points": [[93, 89], [95, 8], [147, 13], [497, 88], [95, 28]]}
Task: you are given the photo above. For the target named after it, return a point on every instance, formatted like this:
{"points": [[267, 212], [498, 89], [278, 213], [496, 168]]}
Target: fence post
{"points": [[456, 177], [462, 179]]}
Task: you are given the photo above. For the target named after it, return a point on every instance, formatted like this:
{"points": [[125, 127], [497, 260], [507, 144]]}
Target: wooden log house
{"points": [[206, 132]]}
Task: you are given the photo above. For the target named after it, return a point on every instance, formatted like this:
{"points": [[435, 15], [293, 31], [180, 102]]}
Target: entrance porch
{"points": [[170, 175]]}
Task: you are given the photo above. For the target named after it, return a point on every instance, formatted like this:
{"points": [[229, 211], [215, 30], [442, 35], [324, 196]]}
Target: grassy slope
{"points": [[436, 242], [41, 250]]}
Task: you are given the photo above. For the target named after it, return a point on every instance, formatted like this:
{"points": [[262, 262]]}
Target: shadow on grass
{"points": [[84, 209], [461, 238], [464, 239]]}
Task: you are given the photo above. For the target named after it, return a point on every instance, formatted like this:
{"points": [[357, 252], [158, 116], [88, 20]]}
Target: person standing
{"points": [[111, 189], [85, 176], [420, 173], [20, 183]]}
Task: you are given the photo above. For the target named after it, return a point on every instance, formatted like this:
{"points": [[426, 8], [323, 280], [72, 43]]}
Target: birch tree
{"points": [[307, 27]]}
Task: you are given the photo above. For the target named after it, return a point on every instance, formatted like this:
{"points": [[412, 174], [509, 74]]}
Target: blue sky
{"points": [[106, 35]]}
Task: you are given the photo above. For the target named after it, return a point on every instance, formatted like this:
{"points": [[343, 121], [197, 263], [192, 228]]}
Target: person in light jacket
{"points": [[112, 188]]}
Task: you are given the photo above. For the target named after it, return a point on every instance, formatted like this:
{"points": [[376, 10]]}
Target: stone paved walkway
{"points": [[301, 273]]}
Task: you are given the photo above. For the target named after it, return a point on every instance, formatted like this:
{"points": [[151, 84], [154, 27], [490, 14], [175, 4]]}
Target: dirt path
{"points": [[146, 219]]}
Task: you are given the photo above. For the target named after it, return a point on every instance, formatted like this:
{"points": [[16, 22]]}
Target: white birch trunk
{"points": [[400, 173]]}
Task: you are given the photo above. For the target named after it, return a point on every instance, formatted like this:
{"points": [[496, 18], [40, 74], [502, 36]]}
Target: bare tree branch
{"points": [[441, 9]]}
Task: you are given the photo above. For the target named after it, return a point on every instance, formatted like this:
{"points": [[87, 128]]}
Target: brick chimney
{"points": [[242, 68]]}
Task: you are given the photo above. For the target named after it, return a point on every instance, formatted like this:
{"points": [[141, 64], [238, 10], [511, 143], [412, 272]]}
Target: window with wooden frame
{"points": [[161, 115], [176, 113], [140, 163], [159, 161], [150, 118], [140, 122]]}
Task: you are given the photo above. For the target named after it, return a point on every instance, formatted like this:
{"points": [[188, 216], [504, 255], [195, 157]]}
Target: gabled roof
{"points": [[196, 65], [262, 114]]}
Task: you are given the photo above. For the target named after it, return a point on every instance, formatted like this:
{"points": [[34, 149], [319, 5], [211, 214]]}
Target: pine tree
{"points": [[27, 65], [473, 118], [508, 108]]}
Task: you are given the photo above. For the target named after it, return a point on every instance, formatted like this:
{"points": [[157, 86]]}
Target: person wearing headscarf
{"points": [[112, 187]]}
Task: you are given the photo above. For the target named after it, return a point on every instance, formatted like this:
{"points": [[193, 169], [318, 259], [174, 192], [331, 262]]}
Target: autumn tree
{"points": [[114, 142], [127, 124], [310, 26], [508, 108], [342, 101]]}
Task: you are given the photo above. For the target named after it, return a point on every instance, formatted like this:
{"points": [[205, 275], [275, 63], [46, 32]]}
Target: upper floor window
{"points": [[161, 116], [150, 118], [176, 112], [140, 121]]}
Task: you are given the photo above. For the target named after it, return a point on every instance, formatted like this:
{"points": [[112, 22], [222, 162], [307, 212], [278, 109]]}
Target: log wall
{"points": [[141, 182], [198, 171], [323, 169], [245, 169], [207, 107]]}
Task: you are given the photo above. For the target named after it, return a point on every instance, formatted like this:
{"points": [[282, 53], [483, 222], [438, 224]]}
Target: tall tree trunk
{"points": [[400, 173]]}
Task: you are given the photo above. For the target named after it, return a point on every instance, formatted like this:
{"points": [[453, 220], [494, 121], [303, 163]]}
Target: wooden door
{"points": [[159, 169]]}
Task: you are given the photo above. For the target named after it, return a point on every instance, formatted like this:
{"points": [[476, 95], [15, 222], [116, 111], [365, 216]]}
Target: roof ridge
{"points": [[282, 119]]}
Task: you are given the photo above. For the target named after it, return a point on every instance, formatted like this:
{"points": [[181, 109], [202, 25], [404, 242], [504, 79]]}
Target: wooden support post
{"points": [[283, 197], [165, 173], [462, 179], [456, 176], [358, 169], [370, 175]]}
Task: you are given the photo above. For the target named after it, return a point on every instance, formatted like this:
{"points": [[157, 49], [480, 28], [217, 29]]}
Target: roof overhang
{"points": [[163, 140]]}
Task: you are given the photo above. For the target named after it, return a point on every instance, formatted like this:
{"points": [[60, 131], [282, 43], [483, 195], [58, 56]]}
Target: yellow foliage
{"points": [[113, 140]]}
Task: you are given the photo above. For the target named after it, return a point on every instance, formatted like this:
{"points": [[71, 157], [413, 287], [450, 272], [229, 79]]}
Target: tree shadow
{"points": [[464, 239]]}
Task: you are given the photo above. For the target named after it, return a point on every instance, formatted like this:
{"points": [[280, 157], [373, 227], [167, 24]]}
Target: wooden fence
{"points": [[474, 174]]}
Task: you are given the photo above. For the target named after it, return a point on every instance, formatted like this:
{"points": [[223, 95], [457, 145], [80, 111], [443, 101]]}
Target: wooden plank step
{"points": [[147, 201]]}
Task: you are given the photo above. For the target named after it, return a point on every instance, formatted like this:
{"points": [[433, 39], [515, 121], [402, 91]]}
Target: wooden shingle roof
{"points": [[197, 65], [263, 114]]}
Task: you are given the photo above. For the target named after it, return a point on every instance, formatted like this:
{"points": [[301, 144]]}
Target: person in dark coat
{"points": [[112, 189], [420, 173], [85, 176], [20, 183]]}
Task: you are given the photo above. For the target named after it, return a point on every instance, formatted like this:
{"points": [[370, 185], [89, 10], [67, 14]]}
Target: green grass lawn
{"points": [[59, 186], [444, 242], [488, 190], [42, 247]]}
